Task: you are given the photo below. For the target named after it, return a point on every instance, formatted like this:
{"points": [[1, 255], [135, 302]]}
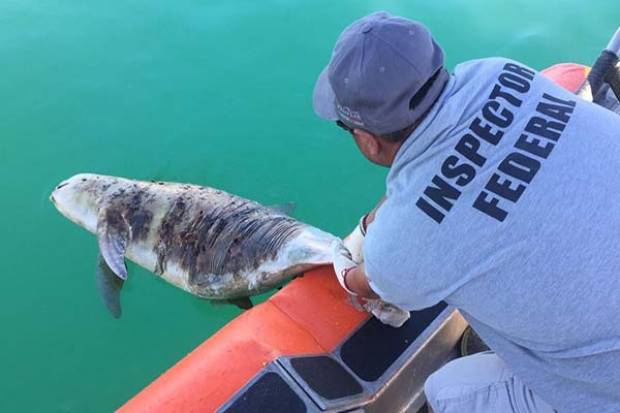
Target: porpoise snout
{"points": [[74, 198], [55, 191], [65, 183]]}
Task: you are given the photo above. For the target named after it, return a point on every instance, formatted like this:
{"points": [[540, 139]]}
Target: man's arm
{"points": [[356, 281], [371, 214], [351, 275], [352, 278], [355, 240]]}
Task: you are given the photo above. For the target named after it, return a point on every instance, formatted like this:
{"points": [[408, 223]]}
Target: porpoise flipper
{"points": [[112, 236], [243, 303], [284, 209], [109, 286]]}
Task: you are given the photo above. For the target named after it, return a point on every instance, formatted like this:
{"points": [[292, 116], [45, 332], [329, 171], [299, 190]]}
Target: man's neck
{"points": [[397, 145], [392, 151]]}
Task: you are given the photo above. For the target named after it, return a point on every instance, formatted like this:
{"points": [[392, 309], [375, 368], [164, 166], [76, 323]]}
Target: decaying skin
{"points": [[206, 241]]}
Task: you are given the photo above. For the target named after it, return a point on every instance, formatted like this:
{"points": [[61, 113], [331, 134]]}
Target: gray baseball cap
{"points": [[384, 74]]}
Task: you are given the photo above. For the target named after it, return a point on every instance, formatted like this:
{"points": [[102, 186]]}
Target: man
{"points": [[502, 200]]}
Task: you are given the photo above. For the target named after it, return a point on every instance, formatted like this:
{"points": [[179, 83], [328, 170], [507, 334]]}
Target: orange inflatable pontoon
{"points": [[299, 319]]}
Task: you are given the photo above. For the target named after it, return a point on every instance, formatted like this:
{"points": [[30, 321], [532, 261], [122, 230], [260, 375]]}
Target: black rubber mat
{"points": [[375, 346], [326, 377], [269, 394]]}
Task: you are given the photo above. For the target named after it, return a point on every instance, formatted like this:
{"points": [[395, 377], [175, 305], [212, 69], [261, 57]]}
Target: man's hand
{"points": [[343, 263], [386, 313], [351, 275], [355, 240], [352, 278]]}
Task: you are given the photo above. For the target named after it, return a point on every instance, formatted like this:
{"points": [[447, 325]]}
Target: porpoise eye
{"points": [[61, 185]]}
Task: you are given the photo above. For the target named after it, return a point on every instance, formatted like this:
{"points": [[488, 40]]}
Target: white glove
{"points": [[355, 240], [343, 263], [386, 313]]}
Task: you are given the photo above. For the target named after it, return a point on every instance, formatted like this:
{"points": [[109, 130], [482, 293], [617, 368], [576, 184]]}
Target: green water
{"points": [[210, 92]]}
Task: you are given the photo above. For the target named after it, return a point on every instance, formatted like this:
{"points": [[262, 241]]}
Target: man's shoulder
{"points": [[484, 66]]}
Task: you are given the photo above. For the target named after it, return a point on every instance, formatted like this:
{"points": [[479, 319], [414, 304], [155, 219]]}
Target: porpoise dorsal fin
{"points": [[243, 303], [109, 286], [286, 208], [113, 236]]}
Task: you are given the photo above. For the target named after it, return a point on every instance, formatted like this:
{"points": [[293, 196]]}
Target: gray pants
{"points": [[480, 383]]}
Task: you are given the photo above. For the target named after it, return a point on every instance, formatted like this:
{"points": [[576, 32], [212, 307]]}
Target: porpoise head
{"points": [[78, 198]]}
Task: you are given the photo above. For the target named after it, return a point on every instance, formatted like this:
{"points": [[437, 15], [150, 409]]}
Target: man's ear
{"points": [[367, 142]]}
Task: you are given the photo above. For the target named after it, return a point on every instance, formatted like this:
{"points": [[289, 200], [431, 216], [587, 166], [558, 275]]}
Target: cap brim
{"points": [[323, 98]]}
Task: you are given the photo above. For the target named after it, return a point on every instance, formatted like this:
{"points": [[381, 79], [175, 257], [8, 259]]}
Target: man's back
{"points": [[504, 203]]}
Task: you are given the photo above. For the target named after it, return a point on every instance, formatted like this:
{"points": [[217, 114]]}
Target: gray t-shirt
{"points": [[505, 202]]}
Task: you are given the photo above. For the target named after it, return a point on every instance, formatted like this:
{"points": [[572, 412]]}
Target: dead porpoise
{"points": [[206, 241]]}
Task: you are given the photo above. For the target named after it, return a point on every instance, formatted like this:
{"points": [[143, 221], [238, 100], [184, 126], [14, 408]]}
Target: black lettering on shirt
{"points": [[520, 166], [553, 114], [464, 172], [560, 110], [571, 103], [534, 146], [486, 128], [557, 109], [502, 186], [514, 82], [430, 210], [490, 112], [468, 146], [520, 70], [546, 128], [486, 131], [490, 206], [442, 193], [498, 92]]}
